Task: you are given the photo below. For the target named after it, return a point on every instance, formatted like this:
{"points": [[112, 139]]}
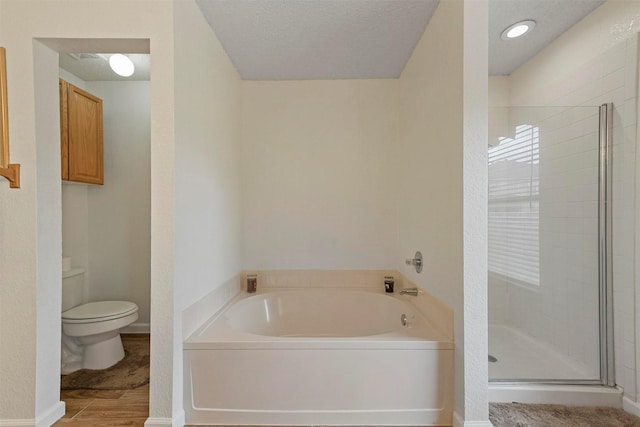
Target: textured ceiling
{"points": [[553, 17], [92, 67], [86, 64], [337, 39], [318, 39]]}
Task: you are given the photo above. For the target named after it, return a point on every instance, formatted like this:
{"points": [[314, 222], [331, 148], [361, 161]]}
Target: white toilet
{"points": [[91, 331]]}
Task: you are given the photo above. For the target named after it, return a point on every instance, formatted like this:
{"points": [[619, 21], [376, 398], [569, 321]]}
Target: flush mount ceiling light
{"points": [[121, 65], [517, 30]]}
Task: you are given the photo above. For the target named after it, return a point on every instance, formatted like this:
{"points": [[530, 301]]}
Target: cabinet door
{"points": [[84, 136]]}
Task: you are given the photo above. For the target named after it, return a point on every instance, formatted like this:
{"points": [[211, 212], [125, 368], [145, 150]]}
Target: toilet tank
{"points": [[72, 288]]}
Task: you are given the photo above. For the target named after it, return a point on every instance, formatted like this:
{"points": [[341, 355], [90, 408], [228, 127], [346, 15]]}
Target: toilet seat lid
{"points": [[101, 310]]}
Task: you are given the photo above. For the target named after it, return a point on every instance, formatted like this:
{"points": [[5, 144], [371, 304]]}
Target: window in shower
{"points": [[514, 207]]}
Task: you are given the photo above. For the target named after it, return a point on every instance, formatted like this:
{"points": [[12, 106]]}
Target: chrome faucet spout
{"points": [[409, 291]]}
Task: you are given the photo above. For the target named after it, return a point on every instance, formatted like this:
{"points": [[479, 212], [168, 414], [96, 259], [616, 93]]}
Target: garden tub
{"points": [[319, 356]]}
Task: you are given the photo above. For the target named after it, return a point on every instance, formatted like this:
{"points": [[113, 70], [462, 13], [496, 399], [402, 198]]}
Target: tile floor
{"points": [[105, 408]]}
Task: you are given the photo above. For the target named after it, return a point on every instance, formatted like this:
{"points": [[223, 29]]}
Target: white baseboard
{"points": [[47, 419], [52, 415], [136, 328], [458, 421], [177, 421], [158, 422], [320, 417], [630, 406]]}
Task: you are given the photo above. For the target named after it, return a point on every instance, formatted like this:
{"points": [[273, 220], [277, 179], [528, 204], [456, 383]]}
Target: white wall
{"points": [[29, 271], [498, 126], [360, 174], [119, 211], [599, 32], [75, 225], [594, 62], [208, 204], [443, 115], [75, 210], [320, 174], [430, 147], [48, 248], [73, 79], [498, 117], [106, 229], [207, 221], [474, 159]]}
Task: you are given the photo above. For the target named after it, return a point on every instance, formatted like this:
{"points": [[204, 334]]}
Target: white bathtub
{"points": [[318, 356]]}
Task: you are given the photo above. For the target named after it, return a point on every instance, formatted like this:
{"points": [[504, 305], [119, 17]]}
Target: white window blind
{"points": [[514, 210]]}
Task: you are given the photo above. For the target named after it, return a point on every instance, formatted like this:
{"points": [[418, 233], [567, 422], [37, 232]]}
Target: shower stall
{"points": [[550, 315]]}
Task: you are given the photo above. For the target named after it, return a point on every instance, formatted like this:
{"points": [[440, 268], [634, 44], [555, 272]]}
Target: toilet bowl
{"points": [[91, 331], [95, 328]]}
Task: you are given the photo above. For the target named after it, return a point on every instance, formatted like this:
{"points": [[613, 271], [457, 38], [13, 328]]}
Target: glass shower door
{"points": [[544, 285]]}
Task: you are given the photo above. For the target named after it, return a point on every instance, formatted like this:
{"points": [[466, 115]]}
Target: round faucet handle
{"points": [[416, 261]]}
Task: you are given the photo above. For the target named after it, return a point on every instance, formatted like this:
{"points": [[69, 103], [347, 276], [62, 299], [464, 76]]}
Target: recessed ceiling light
{"points": [[121, 65], [518, 29]]}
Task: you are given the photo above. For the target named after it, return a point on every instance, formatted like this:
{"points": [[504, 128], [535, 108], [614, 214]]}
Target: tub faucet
{"points": [[409, 291]]}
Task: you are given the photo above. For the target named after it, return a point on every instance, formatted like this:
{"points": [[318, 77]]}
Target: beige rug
{"points": [[131, 372], [527, 415]]}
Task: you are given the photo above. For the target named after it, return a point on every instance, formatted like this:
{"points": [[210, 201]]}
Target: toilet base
{"points": [[70, 355], [103, 354], [95, 345]]}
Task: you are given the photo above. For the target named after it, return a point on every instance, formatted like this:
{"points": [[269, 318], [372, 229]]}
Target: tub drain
{"points": [[404, 319], [492, 359]]}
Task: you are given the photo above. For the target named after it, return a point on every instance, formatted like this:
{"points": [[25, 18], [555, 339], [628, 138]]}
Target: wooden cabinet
{"points": [[81, 135]]}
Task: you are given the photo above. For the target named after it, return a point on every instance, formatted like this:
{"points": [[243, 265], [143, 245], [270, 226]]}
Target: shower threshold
{"points": [[574, 395]]}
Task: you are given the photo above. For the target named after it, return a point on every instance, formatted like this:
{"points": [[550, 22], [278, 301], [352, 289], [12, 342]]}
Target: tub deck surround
{"points": [[317, 318], [319, 356], [440, 314], [320, 278], [200, 311]]}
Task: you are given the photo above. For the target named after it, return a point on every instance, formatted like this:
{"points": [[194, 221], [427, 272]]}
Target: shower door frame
{"points": [[605, 270], [605, 246]]}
